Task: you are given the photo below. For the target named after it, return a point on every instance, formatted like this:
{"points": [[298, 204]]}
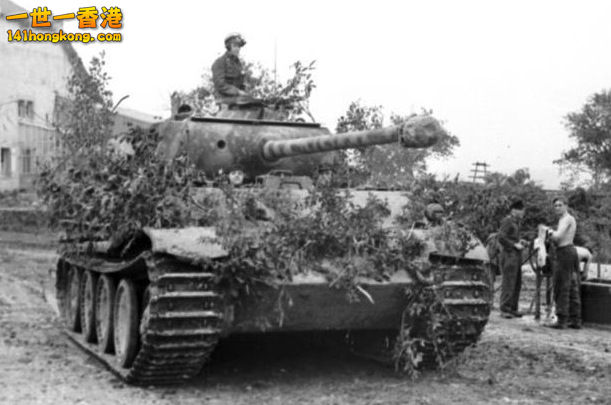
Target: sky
{"points": [[501, 75]]}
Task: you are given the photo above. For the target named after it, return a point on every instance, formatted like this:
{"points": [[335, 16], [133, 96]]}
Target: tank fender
{"points": [[192, 243]]}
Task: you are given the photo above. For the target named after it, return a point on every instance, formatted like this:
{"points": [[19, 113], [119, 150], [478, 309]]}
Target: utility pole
{"points": [[275, 58], [480, 170]]}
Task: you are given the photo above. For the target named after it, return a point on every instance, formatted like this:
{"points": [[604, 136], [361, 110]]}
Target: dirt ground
{"points": [[515, 362]]}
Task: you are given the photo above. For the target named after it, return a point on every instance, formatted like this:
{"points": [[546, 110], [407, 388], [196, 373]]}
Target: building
{"points": [[32, 75], [33, 91]]}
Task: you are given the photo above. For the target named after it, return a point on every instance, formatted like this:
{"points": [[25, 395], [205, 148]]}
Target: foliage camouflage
{"points": [[326, 233], [116, 193], [424, 309]]}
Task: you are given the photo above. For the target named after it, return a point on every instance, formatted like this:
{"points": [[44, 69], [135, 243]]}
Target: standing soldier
{"points": [[511, 260], [566, 277], [228, 72]]}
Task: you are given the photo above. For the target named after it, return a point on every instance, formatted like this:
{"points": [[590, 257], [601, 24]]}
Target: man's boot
{"points": [[575, 324], [561, 323]]}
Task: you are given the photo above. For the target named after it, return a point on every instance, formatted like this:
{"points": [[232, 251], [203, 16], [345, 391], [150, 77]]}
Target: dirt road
{"points": [[516, 362]]}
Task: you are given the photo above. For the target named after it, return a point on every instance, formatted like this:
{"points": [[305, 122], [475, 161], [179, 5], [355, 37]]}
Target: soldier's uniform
{"points": [[228, 77], [510, 261]]}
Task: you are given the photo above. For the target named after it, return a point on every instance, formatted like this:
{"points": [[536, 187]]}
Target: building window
{"points": [[25, 109], [26, 161], [5, 162]]}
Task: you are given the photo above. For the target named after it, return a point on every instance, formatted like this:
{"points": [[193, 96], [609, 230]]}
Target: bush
{"points": [[481, 207]]}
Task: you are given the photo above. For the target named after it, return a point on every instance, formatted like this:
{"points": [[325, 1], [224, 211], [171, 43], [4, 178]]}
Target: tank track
{"points": [[466, 297], [464, 291], [179, 326]]}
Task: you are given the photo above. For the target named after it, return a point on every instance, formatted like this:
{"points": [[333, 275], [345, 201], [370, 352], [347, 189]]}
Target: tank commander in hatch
{"points": [[228, 72]]}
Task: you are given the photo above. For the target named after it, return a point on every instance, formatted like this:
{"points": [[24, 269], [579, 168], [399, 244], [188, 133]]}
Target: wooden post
{"points": [[548, 296], [538, 295]]}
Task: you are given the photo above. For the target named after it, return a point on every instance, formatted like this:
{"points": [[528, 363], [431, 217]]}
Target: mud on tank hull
{"points": [[156, 318]]}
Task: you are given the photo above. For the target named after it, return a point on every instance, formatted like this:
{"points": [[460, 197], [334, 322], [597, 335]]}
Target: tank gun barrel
{"points": [[418, 132]]}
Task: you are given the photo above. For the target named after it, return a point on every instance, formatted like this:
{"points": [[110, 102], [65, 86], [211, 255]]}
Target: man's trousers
{"points": [[511, 280], [567, 285]]}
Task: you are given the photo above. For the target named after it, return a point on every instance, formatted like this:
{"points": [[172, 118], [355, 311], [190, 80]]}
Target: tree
{"points": [[101, 189], [87, 117], [388, 165], [591, 129]]}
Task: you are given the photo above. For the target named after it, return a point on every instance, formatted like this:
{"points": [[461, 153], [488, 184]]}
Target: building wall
{"points": [[35, 72]]}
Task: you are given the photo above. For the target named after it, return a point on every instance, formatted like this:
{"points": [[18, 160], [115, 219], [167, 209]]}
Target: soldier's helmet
{"points": [[234, 37], [433, 210]]}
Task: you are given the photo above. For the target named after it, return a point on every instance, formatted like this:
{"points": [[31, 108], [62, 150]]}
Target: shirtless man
{"points": [[566, 277]]}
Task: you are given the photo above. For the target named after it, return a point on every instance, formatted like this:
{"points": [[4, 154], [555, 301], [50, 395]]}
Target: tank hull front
{"points": [[309, 304]]}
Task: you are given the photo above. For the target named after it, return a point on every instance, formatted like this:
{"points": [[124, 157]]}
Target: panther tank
{"points": [[155, 315]]}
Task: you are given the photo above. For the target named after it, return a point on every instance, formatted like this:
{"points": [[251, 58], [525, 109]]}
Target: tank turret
{"points": [[257, 147]]}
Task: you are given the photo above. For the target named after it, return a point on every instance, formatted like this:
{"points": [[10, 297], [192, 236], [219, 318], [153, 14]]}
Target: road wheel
{"points": [[73, 302], [126, 323], [88, 290], [104, 299]]}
